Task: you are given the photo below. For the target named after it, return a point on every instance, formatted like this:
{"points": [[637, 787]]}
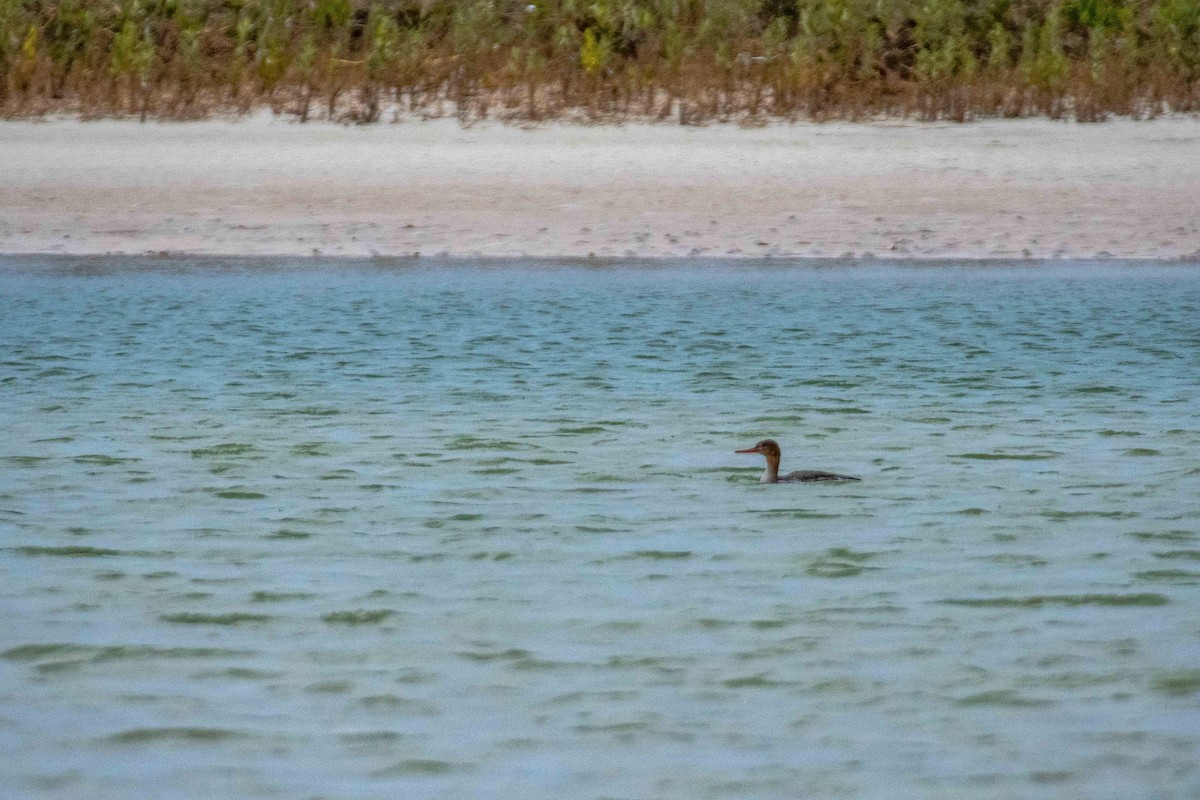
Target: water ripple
{"points": [[360, 529]]}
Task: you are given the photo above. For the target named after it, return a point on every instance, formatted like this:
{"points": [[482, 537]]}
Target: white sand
{"points": [[262, 186]]}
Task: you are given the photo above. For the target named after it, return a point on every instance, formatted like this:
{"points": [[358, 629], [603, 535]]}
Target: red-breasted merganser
{"points": [[770, 449]]}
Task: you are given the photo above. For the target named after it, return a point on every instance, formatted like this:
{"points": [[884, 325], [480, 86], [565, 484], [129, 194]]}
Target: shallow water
{"points": [[476, 530]]}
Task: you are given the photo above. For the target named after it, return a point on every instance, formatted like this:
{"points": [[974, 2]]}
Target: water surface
{"points": [[378, 530]]}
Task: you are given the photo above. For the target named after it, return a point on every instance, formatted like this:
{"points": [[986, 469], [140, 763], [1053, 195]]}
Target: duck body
{"points": [[770, 450], [806, 476]]}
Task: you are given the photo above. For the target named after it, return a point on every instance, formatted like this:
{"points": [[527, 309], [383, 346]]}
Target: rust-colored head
{"points": [[767, 447]]}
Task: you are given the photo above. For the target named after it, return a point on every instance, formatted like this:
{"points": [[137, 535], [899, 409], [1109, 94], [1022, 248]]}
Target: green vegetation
{"points": [[688, 60]]}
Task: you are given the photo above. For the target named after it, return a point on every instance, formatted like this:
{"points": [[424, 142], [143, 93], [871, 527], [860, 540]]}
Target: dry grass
{"points": [[683, 60]]}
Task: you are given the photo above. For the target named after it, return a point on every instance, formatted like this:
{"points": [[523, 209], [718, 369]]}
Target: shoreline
{"points": [[1006, 190], [113, 263]]}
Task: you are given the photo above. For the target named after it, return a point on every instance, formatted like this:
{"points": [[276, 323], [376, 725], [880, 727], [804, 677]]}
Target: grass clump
{"points": [[687, 60]]}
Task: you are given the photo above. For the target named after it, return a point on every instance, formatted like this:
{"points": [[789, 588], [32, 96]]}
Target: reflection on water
{"points": [[421, 530]]}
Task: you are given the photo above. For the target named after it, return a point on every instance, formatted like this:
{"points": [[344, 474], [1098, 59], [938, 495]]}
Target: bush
{"points": [[526, 59]]}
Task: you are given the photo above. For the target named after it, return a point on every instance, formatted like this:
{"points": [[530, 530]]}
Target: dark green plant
{"points": [[691, 59]]}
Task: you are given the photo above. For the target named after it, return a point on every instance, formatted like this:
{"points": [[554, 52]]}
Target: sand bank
{"points": [[1011, 188]]}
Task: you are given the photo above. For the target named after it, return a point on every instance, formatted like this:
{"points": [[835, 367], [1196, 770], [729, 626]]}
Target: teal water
{"points": [[421, 530]]}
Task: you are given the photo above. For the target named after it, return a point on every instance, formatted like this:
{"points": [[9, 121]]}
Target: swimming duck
{"points": [[770, 449]]}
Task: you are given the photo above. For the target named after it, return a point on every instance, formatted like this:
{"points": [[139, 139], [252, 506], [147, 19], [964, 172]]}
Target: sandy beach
{"points": [[264, 186]]}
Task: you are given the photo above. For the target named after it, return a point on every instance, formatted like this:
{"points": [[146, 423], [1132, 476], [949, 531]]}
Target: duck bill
{"points": [[748, 450]]}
